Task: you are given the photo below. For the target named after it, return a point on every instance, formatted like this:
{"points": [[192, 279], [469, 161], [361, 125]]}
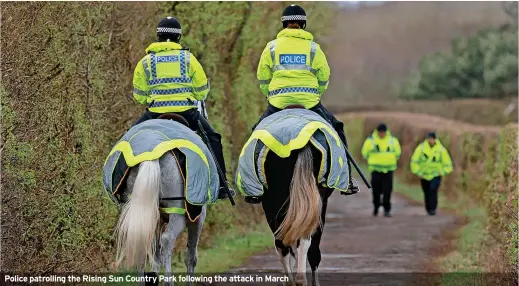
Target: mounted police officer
{"points": [[293, 70], [169, 79], [382, 151]]}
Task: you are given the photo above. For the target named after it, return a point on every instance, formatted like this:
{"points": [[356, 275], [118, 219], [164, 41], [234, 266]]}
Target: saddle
{"points": [[294, 106], [175, 117]]}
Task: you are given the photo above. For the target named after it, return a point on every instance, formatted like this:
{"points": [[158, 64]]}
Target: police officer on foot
{"points": [[169, 79], [293, 71], [382, 151], [431, 162]]}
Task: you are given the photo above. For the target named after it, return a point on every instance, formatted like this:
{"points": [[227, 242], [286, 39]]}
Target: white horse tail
{"points": [[304, 209], [139, 220]]}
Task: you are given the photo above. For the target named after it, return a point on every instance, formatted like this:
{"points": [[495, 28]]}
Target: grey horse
{"points": [[145, 232]]}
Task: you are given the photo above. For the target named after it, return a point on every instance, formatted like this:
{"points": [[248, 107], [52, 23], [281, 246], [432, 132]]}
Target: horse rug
{"points": [[149, 141], [283, 132]]}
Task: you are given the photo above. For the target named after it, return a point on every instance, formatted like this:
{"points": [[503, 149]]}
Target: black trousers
{"points": [[192, 116], [430, 193], [382, 186], [324, 113]]}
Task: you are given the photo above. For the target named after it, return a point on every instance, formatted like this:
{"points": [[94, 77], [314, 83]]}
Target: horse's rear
{"points": [[155, 210], [147, 235], [295, 209], [290, 154]]}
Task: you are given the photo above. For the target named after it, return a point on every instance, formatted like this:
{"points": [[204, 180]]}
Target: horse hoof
{"points": [[301, 280]]}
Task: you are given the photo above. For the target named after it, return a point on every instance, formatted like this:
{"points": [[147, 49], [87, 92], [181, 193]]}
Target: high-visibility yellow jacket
{"points": [[293, 70], [169, 79], [429, 161], [382, 154]]}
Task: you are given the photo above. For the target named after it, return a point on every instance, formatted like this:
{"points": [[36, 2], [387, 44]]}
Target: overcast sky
{"points": [[355, 4]]}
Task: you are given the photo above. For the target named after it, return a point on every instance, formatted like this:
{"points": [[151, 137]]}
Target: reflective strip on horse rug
{"points": [[149, 141], [283, 132]]}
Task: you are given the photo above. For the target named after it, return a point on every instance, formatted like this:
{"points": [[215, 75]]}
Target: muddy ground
{"points": [[359, 249]]}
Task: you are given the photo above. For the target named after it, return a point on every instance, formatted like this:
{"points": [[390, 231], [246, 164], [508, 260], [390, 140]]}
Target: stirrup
{"points": [[353, 188], [223, 195]]}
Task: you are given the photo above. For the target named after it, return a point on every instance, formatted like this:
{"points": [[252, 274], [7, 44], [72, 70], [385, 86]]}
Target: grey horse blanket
{"points": [[283, 132], [149, 141]]}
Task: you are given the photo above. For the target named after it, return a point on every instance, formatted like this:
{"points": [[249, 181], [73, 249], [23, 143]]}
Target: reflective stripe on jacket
{"points": [[293, 70], [169, 79]]}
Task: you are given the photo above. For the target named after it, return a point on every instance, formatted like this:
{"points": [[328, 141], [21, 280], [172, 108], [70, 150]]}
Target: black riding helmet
{"points": [[169, 29], [294, 13]]}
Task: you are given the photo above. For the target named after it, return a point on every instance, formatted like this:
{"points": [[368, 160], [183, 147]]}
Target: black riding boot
{"points": [[193, 116]]}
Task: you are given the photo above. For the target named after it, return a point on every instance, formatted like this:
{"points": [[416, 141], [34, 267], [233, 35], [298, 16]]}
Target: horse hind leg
{"points": [[172, 186], [174, 228], [302, 251], [156, 263], [314, 256], [194, 229], [314, 252], [283, 252], [155, 267]]}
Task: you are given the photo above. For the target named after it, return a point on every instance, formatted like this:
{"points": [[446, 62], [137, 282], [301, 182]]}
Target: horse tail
{"points": [[139, 220], [304, 209]]}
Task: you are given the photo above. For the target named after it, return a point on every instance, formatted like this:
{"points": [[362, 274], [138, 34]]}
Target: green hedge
{"points": [[481, 66], [501, 195]]}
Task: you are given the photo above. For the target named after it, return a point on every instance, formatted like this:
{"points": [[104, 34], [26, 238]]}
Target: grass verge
{"points": [[229, 250]]}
